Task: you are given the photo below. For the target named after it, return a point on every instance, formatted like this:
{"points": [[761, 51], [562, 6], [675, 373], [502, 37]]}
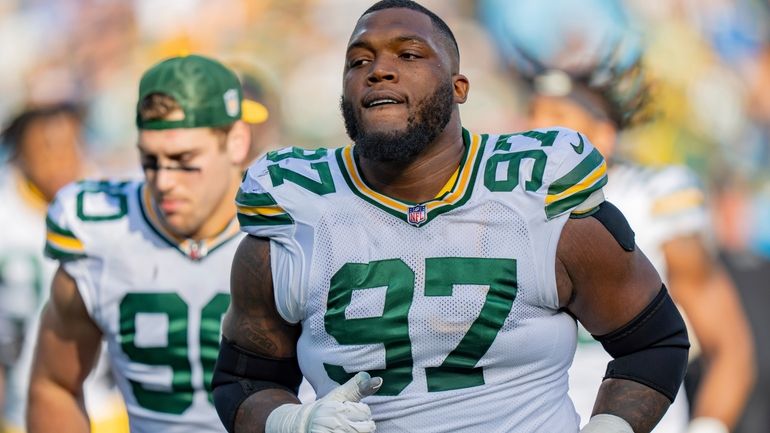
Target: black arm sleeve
{"points": [[239, 373], [652, 348]]}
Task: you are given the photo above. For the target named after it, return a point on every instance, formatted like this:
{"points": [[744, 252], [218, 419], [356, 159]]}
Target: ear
{"points": [[238, 143], [461, 87]]}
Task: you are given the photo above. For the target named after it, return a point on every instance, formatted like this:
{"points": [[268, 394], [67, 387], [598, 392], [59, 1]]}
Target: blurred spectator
{"points": [[589, 77], [44, 149]]}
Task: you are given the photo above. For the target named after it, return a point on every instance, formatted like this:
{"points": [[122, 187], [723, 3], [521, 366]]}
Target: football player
{"points": [[144, 265], [666, 208], [426, 278]]}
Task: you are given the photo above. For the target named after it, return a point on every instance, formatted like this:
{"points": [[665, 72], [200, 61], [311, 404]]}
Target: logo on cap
{"points": [[231, 102]]}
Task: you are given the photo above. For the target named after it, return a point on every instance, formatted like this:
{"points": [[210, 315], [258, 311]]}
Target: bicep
{"points": [[68, 340], [252, 322], [608, 286]]}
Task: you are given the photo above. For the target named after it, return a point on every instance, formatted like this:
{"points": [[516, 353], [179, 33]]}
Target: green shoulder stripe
{"points": [[570, 201], [583, 169], [252, 199], [53, 227], [264, 220], [62, 255]]}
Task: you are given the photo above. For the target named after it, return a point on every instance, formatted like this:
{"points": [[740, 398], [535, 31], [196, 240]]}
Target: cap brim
{"points": [[253, 112]]}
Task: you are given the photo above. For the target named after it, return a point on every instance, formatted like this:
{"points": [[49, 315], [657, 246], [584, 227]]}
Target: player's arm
{"points": [[68, 344], [257, 375], [617, 295], [701, 287]]}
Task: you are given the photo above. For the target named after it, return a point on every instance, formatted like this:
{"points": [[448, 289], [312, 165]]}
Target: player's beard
{"points": [[423, 126]]}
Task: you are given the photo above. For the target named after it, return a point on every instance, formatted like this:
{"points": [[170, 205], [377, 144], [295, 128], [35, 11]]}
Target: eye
{"points": [[408, 55], [149, 163], [358, 62]]}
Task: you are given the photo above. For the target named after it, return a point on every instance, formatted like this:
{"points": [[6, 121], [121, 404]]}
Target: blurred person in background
{"points": [[591, 79], [44, 149], [144, 265], [262, 104]]}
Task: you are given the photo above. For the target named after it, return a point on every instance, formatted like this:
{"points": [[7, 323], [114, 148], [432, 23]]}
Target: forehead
{"points": [[174, 141], [392, 24]]}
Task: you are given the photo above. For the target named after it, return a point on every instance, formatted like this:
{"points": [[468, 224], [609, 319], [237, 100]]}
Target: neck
{"points": [[422, 178], [223, 214]]}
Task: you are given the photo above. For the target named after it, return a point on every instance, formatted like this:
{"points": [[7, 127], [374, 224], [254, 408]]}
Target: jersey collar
{"points": [[193, 249], [418, 214]]}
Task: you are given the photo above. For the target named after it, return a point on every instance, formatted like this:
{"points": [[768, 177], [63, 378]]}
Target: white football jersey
{"points": [[660, 204], [453, 302], [157, 299]]}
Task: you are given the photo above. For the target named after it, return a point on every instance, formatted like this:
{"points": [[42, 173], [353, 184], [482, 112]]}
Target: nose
{"points": [[164, 180], [382, 70]]}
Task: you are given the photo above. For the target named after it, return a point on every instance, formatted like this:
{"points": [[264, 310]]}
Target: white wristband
{"points": [[606, 423], [707, 425]]}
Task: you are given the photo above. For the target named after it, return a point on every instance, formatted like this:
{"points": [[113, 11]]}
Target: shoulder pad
{"points": [[76, 205], [577, 175]]}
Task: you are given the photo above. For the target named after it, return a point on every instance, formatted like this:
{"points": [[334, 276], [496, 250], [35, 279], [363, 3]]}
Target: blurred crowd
{"points": [[708, 63]]}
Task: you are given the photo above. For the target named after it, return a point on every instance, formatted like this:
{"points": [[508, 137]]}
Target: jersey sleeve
{"points": [[262, 212], [71, 235], [574, 184], [678, 207], [65, 242], [61, 242], [258, 212]]}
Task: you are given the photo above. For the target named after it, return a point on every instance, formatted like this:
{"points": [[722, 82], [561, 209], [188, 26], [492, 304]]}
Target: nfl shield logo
{"points": [[231, 102], [417, 215]]}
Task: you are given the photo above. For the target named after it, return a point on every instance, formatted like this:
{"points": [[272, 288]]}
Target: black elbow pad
{"points": [[239, 373], [652, 348]]}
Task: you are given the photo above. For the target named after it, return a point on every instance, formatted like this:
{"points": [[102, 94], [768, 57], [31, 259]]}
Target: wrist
{"points": [[707, 425], [606, 423]]}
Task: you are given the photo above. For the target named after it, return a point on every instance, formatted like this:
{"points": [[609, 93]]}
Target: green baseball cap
{"points": [[209, 93]]}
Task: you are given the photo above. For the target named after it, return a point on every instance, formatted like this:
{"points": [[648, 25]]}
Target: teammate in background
{"points": [[666, 208], [144, 265], [426, 277], [43, 144], [586, 74]]}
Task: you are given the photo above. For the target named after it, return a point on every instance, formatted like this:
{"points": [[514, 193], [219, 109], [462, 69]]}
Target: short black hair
{"points": [[17, 127], [438, 23]]}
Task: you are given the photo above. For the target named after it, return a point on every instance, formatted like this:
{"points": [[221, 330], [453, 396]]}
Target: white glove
{"points": [[707, 425], [606, 423], [339, 411]]}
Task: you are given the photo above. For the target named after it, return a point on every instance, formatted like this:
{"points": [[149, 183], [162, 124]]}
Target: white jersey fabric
{"points": [[453, 302], [660, 204], [157, 299], [25, 279]]}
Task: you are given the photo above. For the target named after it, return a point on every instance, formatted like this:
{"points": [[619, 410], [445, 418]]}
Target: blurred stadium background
{"points": [[708, 60]]}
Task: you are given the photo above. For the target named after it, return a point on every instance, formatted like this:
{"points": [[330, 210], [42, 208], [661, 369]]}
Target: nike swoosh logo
{"points": [[579, 147]]}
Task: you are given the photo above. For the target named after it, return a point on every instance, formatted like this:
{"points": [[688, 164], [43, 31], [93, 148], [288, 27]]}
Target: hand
{"points": [[339, 411]]}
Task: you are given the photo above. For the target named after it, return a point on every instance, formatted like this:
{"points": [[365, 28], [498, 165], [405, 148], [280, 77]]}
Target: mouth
{"points": [[168, 205], [380, 99]]}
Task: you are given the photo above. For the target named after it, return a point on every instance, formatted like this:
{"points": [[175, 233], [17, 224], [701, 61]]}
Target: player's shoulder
{"points": [[79, 207], [279, 178], [565, 167], [274, 164], [675, 189]]}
